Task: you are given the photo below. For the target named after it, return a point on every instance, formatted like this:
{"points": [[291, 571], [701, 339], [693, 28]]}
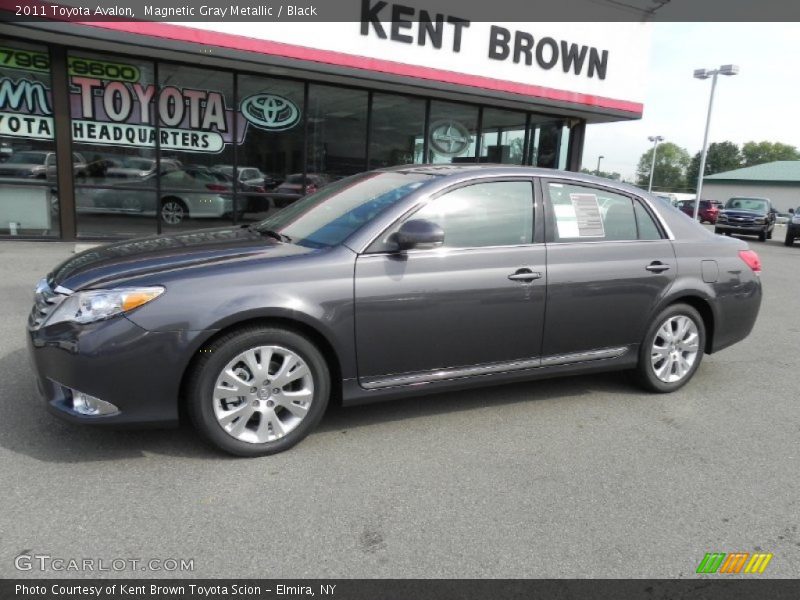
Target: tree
{"points": [[758, 153], [670, 171], [721, 157], [613, 176]]}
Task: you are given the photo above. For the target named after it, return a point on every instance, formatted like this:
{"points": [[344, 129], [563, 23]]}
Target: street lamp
{"points": [[599, 158], [655, 139], [705, 74]]}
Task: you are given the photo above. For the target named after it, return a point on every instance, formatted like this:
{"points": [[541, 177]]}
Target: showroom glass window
{"points": [[28, 193], [451, 132], [502, 136], [397, 130], [198, 126], [337, 135], [112, 105], [548, 146], [271, 152]]}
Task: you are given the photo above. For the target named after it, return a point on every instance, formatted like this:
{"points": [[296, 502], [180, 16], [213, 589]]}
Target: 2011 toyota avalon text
{"points": [[400, 281]]}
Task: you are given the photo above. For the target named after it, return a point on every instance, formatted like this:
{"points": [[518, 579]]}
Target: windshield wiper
{"points": [[273, 234]]}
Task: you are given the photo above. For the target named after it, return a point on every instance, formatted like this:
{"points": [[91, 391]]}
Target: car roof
{"points": [[460, 171]]}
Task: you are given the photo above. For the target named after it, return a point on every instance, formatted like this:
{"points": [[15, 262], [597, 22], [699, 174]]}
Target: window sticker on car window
{"points": [[589, 222], [566, 220]]}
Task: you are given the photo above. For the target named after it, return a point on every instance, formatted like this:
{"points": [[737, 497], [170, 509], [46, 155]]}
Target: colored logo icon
{"points": [[735, 562], [270, 112]]}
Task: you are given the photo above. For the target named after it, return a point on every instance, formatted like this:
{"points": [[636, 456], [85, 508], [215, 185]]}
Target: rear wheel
{"points": [[672, 349], [258, 391]]}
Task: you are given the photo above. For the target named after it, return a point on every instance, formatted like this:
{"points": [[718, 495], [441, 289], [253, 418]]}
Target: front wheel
{"points": [[173, 211], [258, 391], [672, 349], [789, 240]]}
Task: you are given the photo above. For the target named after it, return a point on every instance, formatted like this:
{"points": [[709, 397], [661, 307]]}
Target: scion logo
{"points": [[270, 112], [449, 137]]}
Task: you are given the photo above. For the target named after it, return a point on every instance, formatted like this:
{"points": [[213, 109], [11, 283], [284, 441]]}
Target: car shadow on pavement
{"points": [[556, 388], [26, 427]]}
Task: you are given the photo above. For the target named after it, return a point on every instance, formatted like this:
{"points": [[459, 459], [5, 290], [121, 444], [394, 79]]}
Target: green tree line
{"points": [[677, 171]]}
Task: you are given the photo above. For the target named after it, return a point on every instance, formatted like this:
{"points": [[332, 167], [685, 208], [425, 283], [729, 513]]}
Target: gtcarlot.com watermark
{"points": [[30, 561]]}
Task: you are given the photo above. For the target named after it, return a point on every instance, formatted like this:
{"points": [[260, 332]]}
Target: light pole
{"points": [[705, 74], [599, 158], [655, 139]]}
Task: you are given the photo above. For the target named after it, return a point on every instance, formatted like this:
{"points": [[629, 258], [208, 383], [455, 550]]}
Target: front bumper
{"points": [[115, 360], [746, 229]]}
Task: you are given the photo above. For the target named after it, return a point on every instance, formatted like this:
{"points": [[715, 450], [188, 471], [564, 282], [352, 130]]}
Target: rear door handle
{"points": [[657, 267], [525, 274]]}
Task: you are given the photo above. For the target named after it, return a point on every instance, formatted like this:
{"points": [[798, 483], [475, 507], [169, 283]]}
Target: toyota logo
{"points": [[449, 137], [270, 112]]}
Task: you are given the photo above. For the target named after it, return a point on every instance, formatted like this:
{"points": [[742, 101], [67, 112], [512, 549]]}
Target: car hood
{"points": [[146, 256], [9, 167]]}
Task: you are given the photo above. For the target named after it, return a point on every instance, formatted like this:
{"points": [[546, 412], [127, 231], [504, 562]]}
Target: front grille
{"points": [[45, 300]]}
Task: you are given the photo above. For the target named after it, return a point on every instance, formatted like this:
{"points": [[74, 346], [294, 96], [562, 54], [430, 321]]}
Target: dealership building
{"points": [[129, 128]]}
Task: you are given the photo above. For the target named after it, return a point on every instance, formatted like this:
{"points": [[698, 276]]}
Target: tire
{"points": [[718, 231], [657, 375], [271, 427], [173, 211], [789, 240], [769, 234], [762, 236]]}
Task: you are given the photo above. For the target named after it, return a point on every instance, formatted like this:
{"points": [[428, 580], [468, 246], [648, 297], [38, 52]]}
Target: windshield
{"points": [[331, 215], [755, 204], [27, 158]]}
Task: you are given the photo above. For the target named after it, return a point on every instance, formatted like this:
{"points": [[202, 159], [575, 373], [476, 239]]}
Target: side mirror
{"points": [[418, 233], [791, 211]]}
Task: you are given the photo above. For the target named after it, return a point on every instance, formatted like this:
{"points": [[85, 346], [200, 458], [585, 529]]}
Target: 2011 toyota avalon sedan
{"points": [[390, 283]]}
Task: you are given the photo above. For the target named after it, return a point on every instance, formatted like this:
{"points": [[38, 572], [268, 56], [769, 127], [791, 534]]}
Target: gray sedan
{"points": [[390, 283]]}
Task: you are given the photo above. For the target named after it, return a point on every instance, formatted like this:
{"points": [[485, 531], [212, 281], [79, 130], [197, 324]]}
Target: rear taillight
{"points": [[751, 259], [216, 187], [311, 188]]}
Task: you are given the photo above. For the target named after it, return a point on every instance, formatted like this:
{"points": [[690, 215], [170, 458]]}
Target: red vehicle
{"points": [[709, 210]]}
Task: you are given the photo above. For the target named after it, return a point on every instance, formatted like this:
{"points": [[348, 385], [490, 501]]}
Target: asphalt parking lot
{"points": [[579, 477]]}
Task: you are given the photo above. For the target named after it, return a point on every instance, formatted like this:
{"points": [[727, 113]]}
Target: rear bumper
{"points": [[117, 361]]}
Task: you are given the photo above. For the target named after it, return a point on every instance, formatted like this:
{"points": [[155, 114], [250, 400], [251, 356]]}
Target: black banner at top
{"points": [[414, 11]]}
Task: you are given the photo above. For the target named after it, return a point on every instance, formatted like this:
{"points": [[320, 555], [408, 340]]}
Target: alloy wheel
{"points": [[675, 348], [172, 212], [263, 394]]}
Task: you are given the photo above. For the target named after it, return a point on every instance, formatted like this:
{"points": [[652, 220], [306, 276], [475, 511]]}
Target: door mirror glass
{"points": [[418, 233]]}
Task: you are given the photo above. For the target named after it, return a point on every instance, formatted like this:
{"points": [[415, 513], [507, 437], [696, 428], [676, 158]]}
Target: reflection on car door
{"points": [[454, 307], [608, 264]]}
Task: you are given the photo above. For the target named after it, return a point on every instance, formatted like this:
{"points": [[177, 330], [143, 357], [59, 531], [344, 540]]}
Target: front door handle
{"points": [[525, 274], [657, 267]]}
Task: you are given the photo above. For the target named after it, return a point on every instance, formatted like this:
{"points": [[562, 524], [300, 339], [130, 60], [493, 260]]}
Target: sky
{"points": [[760, 103]]}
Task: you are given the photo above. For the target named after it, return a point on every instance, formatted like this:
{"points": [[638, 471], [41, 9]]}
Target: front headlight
{"points": [[94, 305], [760, 220]]}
